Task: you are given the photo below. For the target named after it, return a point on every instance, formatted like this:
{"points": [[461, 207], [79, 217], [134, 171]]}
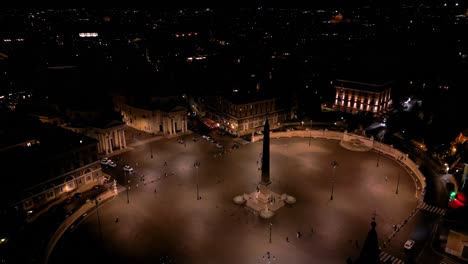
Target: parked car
{"points": [[105, 161], [235, 146], [409, 244], [218, 145], [111, 164], [128, 168]]}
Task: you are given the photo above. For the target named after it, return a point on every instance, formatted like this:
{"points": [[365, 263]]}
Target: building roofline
{"points": [[365, 83]]}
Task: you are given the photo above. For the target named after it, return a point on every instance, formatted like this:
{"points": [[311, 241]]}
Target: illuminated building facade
{"points": [[357, 96], [241, 115], [158, 115]]}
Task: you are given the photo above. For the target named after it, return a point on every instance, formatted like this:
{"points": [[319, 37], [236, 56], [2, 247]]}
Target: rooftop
{"points": [[34, 152], [366, 86]]}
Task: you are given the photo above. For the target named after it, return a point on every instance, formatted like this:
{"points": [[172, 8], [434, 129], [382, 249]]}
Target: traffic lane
{"points": [[418, 228]]}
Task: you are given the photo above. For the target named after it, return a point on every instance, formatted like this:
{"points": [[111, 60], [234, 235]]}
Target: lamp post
{"points": [[310, 132], [398, 183], [378, 154], [271, 225], [126, 181], [334, 164], [99, 220], [380, 147], [196, 165]]}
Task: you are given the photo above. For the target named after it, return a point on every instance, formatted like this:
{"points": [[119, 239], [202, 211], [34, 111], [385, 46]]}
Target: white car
{"points": [[409, 244], [128, 168], [218, 145], [105, 161], [111, 164]]}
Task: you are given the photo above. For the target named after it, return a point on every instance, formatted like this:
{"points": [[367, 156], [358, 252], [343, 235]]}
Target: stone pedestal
{"points": [[265, 197]]}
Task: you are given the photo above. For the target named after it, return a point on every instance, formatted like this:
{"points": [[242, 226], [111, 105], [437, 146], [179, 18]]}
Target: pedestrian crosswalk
{"points": [[387, 258], [431, 208], [447, 260]]}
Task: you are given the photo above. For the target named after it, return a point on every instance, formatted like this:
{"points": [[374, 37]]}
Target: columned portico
{"points": [[111, 139]]}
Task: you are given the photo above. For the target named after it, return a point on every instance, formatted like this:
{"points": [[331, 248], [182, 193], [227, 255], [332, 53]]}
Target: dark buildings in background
{"points": [[42, 162], [101, 124]]}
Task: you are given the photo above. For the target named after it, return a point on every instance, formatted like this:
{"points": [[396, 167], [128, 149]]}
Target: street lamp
{"points": [[99, 220], [310, 133], [127, 181], [334, 164], [378, 153], [271, 225], [380, 147], [398, 183], [196, 165]]}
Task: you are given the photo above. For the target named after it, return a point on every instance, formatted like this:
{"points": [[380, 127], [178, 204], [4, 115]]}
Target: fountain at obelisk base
{"points": [[264, 201]]}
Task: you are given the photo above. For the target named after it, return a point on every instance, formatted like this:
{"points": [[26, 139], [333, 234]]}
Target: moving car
{"points": [[409, 244], [128, 168], [111, 164]]}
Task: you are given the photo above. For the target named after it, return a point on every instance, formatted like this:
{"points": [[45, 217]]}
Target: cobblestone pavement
{"points": [[165, 223]]}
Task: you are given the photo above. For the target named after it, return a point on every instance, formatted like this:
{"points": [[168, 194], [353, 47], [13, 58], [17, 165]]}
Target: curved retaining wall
{"points": [[385, 149], [70, 220]]}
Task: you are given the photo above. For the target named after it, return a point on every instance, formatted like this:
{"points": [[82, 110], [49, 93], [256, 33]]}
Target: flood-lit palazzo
{"points": [[354, 96]]}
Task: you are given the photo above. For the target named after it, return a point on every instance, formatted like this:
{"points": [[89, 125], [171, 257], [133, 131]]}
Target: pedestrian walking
{"points": [[311, 230], [287, 239], [165, 163], [356, 243], [386, 179], [137, 185], [117, 219], [298, 234]]}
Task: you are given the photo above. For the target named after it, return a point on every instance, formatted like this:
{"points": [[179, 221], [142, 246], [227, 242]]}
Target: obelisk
{"points": [[265, 181]]}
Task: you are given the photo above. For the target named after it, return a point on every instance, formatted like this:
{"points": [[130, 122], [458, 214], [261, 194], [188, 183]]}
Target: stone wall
{"points": [[385, 149]]}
